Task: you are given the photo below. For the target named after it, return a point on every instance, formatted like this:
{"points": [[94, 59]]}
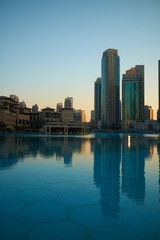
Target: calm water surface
{"points": [[80, 187]]}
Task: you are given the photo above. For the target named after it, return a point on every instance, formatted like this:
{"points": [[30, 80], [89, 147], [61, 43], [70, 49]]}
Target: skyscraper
{"points": [[148, 112], [92, 115], [133, 94], [159, 87], [110, 88], [68, 103], [97, 100], [59, 107]]}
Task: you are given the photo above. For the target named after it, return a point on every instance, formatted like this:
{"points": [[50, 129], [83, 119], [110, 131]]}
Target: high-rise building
{"points": [[68, 103], [159, 88], [148, 112], [157, 114], [92, 115], [35, 108], [133, 94], [120, 110], [79, 115], [59, 107], [83, 116], [97, 100], [110, 88]]}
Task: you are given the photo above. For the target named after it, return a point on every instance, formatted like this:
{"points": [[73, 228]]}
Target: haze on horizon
{"points": [[52, 49]]}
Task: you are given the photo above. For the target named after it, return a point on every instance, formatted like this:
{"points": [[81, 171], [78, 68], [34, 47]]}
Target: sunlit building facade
{"points": [[97, 100], [110, 88], [133, 94], [148, 112]]}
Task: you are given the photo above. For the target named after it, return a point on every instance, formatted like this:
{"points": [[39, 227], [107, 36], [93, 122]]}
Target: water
{"points": [[80, 187]]}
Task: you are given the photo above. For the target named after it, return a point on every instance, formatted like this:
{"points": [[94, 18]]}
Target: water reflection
{"points": [[14, 148], [119, 161], [133, 163], [107, 158], [158, 151]]}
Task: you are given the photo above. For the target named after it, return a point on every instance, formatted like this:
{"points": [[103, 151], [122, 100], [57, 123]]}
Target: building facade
{"points": [[159, 88], [92, 115], [8, 112], [68, 103], [148, 112], [97, 100], [35, 108], [59, 107], [133, 94], [110, 68]]}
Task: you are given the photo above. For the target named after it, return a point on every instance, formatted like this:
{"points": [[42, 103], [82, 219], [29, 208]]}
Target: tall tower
{"points": [[159, 87], [97, 100], [110, 88], [133, 94], [68, 103]]}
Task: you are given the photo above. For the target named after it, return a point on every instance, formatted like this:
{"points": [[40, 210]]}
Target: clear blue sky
{"points": [[52, 49]]}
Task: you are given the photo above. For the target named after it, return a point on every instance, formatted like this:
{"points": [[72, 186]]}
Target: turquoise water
{"points": [[80, 187]]}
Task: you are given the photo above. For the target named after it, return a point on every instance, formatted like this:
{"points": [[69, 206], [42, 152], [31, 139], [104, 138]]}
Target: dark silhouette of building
{"points": [[97, 100]]}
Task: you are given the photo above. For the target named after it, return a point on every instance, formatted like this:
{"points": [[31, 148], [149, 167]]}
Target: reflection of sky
{"points": [[102, 176]]}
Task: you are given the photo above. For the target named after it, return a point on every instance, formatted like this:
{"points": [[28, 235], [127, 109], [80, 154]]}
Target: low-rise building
{"points": [[65, 128], [67, 114], [49, 115], [8, 112], [147, 125]]}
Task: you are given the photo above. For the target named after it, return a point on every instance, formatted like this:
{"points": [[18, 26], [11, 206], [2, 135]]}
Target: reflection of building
{"points": [[14, 148], [133, 94], [133, 163], [148, 112], [97, 100], [158, 151], [107, 157], [110, 88], [68, 102]]}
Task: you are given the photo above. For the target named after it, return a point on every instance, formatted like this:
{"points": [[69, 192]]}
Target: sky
{"points": [[51, 49]]}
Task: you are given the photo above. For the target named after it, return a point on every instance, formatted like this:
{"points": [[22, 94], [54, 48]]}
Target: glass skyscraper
{"points": [[97, 100], [110, 100], [159, 88], [68, 103], [133, 94]]}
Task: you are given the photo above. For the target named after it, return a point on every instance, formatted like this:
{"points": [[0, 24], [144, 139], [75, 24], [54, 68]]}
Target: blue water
{"points": [[80, 187]]}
